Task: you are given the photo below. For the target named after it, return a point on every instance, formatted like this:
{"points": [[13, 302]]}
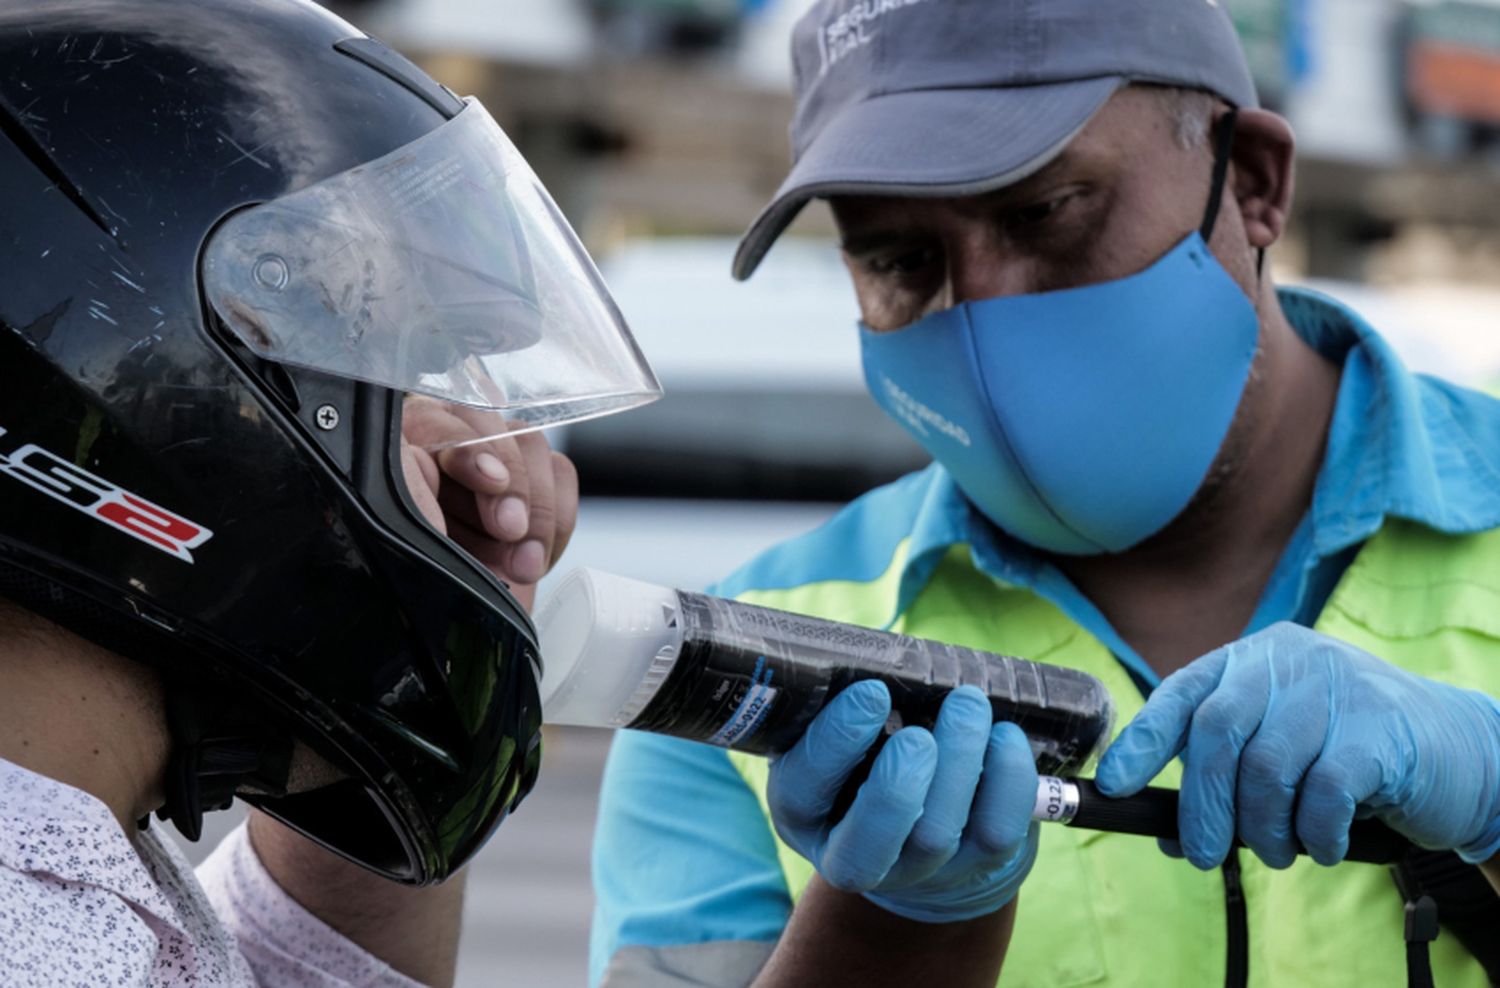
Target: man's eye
{"points": [[1039, 213], [901, 263]]}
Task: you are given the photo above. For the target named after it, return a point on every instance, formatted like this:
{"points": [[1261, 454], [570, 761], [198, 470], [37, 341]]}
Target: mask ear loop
{"points": [[1223, 152]]}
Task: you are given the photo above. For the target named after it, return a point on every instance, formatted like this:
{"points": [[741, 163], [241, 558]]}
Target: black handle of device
{"points": [[1153, 813]]}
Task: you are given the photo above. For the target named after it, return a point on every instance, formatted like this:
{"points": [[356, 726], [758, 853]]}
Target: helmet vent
{"points": [[402, 71], [25, 141]]}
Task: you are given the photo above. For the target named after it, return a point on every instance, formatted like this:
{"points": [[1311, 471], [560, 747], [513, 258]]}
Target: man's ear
{"points": [[1264, 149]]}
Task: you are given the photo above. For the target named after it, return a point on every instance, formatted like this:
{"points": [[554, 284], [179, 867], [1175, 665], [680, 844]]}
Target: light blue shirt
{"points": [[683, 853]]}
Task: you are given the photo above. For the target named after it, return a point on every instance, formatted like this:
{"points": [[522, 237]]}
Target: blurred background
{"points": [[660, 128]]}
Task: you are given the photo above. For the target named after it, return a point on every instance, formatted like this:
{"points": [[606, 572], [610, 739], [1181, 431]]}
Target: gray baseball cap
{"points": [[958, 97]]}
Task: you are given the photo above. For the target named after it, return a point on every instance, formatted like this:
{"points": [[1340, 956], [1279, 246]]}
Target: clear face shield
{"points": [[443, 269]]}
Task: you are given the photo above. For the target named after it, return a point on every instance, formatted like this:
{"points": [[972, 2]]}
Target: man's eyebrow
{"points": [[870, 241], [1068, 160], [887, 234]]}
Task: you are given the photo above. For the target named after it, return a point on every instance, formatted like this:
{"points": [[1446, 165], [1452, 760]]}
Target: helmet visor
{"points": [[443, 269]]}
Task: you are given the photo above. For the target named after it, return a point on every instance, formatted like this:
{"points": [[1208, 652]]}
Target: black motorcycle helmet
{"points": [[234, 236]]}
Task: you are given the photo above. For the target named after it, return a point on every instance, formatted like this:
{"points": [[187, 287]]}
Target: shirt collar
{"points": [[1397, 448], [54, 829]]}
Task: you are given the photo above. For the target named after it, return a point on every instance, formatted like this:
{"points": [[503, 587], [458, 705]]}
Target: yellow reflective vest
{"points": [[1108, 909]]}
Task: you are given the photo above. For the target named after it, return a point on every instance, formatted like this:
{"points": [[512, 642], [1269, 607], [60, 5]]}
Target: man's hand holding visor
{"points": [[511, 502]]}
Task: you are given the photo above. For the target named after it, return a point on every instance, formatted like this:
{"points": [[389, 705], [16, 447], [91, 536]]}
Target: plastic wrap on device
{"points": [[753, 678]]}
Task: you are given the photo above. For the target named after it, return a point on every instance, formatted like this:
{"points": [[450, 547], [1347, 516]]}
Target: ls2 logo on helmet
{"points": [[104, 501]]}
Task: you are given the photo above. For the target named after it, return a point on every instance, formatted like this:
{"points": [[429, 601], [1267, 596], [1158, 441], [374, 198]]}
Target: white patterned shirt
{"points": [[84, 906]]}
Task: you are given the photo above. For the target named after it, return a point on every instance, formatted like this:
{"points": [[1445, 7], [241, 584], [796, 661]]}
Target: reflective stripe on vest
{"points": [[1110, 909]]}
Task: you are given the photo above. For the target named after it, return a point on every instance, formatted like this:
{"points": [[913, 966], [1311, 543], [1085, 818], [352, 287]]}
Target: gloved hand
{"points": [[1290, 734], [941, 830]]}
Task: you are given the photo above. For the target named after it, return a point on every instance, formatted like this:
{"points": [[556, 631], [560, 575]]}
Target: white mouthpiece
{"points": [[607, 644]]}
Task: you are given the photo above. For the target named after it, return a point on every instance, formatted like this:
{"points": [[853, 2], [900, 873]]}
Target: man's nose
{"points": [[983, 269]]}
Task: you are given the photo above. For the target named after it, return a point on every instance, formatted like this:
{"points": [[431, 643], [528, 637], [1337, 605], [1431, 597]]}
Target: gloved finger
{"points": [[1007, 795], [1267, 799], [864, 846], [1206, 811], [1335, 786], [962, 735], [1000, 825], [1171, 848], [969, 889], [1221, 727], [805, 782], [1159, 731], [1274, 763]]}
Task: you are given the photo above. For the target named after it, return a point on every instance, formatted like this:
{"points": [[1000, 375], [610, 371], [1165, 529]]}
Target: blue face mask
{"points": [[1080, 421]]}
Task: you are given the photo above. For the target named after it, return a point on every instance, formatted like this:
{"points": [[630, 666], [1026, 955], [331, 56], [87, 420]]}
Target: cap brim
{"points": [[933, 142]]}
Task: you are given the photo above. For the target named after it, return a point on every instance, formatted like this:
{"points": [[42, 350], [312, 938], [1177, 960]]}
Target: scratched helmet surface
{"points": [[227, 511]]}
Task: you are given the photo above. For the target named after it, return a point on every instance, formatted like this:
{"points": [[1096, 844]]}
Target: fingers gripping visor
{"points": [[443, 269]]}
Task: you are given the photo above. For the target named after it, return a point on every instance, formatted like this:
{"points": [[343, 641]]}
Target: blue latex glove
{"points": [[1288, 735], [941, 830]]}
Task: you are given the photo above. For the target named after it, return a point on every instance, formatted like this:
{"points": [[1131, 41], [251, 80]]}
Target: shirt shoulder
{"points": [[859, 544], [284, 944], [683, 856], [84, 903], [55, 933], [1474, 415]]}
